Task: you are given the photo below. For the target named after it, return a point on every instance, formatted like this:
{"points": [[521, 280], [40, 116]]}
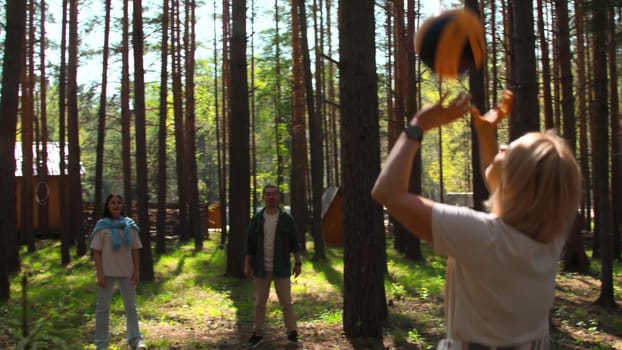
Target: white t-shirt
{"points": [[269, 231], [500, 284], [116, 263]]}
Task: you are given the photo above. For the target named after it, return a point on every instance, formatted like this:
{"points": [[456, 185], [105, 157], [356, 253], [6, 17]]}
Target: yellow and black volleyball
{"points": [[451, 43]]}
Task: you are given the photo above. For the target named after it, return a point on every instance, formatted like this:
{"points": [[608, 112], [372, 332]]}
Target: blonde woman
{"points": [[501, 266]]}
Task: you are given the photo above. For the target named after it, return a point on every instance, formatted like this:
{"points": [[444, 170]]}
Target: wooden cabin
{"points": [[45, 193], [332, 217], [213, 216]]}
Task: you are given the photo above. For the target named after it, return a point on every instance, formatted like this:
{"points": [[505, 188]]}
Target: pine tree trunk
{"points": [[126, 146], [508, 33], [9, 102], [42, 189], [65, 233], [546, 68], [492, 84], [405, 103], [478, 99], [26, 215], [582, 113], [101, 116], [331, 106], [191, 180], [525, 116], [162, 132], [616, 138], [182, 227], [315, 141], [239, 181], [566, 80], [253, 117], [364, 253], [146, 262], [600, 152], [278, 118], [221, 128], [224, 121], [300, 210], [74, 183], [575, 258]]}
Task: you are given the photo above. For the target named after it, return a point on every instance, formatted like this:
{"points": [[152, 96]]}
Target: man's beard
{"points": [[272, 206]]}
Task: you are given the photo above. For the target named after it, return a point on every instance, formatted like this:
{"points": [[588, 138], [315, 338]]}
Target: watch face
{"points": [[414, 132]]}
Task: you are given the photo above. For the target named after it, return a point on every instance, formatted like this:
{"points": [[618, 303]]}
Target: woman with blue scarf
{"points": [[115, 244]]}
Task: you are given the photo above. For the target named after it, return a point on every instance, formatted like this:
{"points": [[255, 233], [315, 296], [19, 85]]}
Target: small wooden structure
{"points": [[47, 193], [332, 217], [213, 216]]}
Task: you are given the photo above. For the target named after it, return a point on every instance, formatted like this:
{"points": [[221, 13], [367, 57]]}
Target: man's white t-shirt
{"points": [[500, 284], [269, 231]]}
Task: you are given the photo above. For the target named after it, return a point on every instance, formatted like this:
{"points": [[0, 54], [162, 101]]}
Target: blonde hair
{"points": [[540, 187]]}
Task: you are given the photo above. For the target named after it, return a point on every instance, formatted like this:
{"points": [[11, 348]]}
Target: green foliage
{"points": [[416, 338], [407, 278], [22, 333], [449, 148], [452, 141], [207, 81], [39, 336]]}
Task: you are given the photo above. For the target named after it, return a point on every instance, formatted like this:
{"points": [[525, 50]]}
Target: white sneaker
{"points": [[140, 346]]}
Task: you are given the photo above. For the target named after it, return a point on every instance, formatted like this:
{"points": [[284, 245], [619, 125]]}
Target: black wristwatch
{"points": [[414, 132]]}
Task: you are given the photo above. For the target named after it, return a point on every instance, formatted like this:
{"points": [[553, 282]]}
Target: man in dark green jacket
{"points": [[270, 239]]}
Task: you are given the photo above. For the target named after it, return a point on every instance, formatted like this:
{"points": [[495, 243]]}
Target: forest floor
{"points": [[577, 323], [191, 305]]}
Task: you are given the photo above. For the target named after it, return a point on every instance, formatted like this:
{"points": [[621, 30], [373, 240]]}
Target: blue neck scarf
{"points": [[123, 223]]}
